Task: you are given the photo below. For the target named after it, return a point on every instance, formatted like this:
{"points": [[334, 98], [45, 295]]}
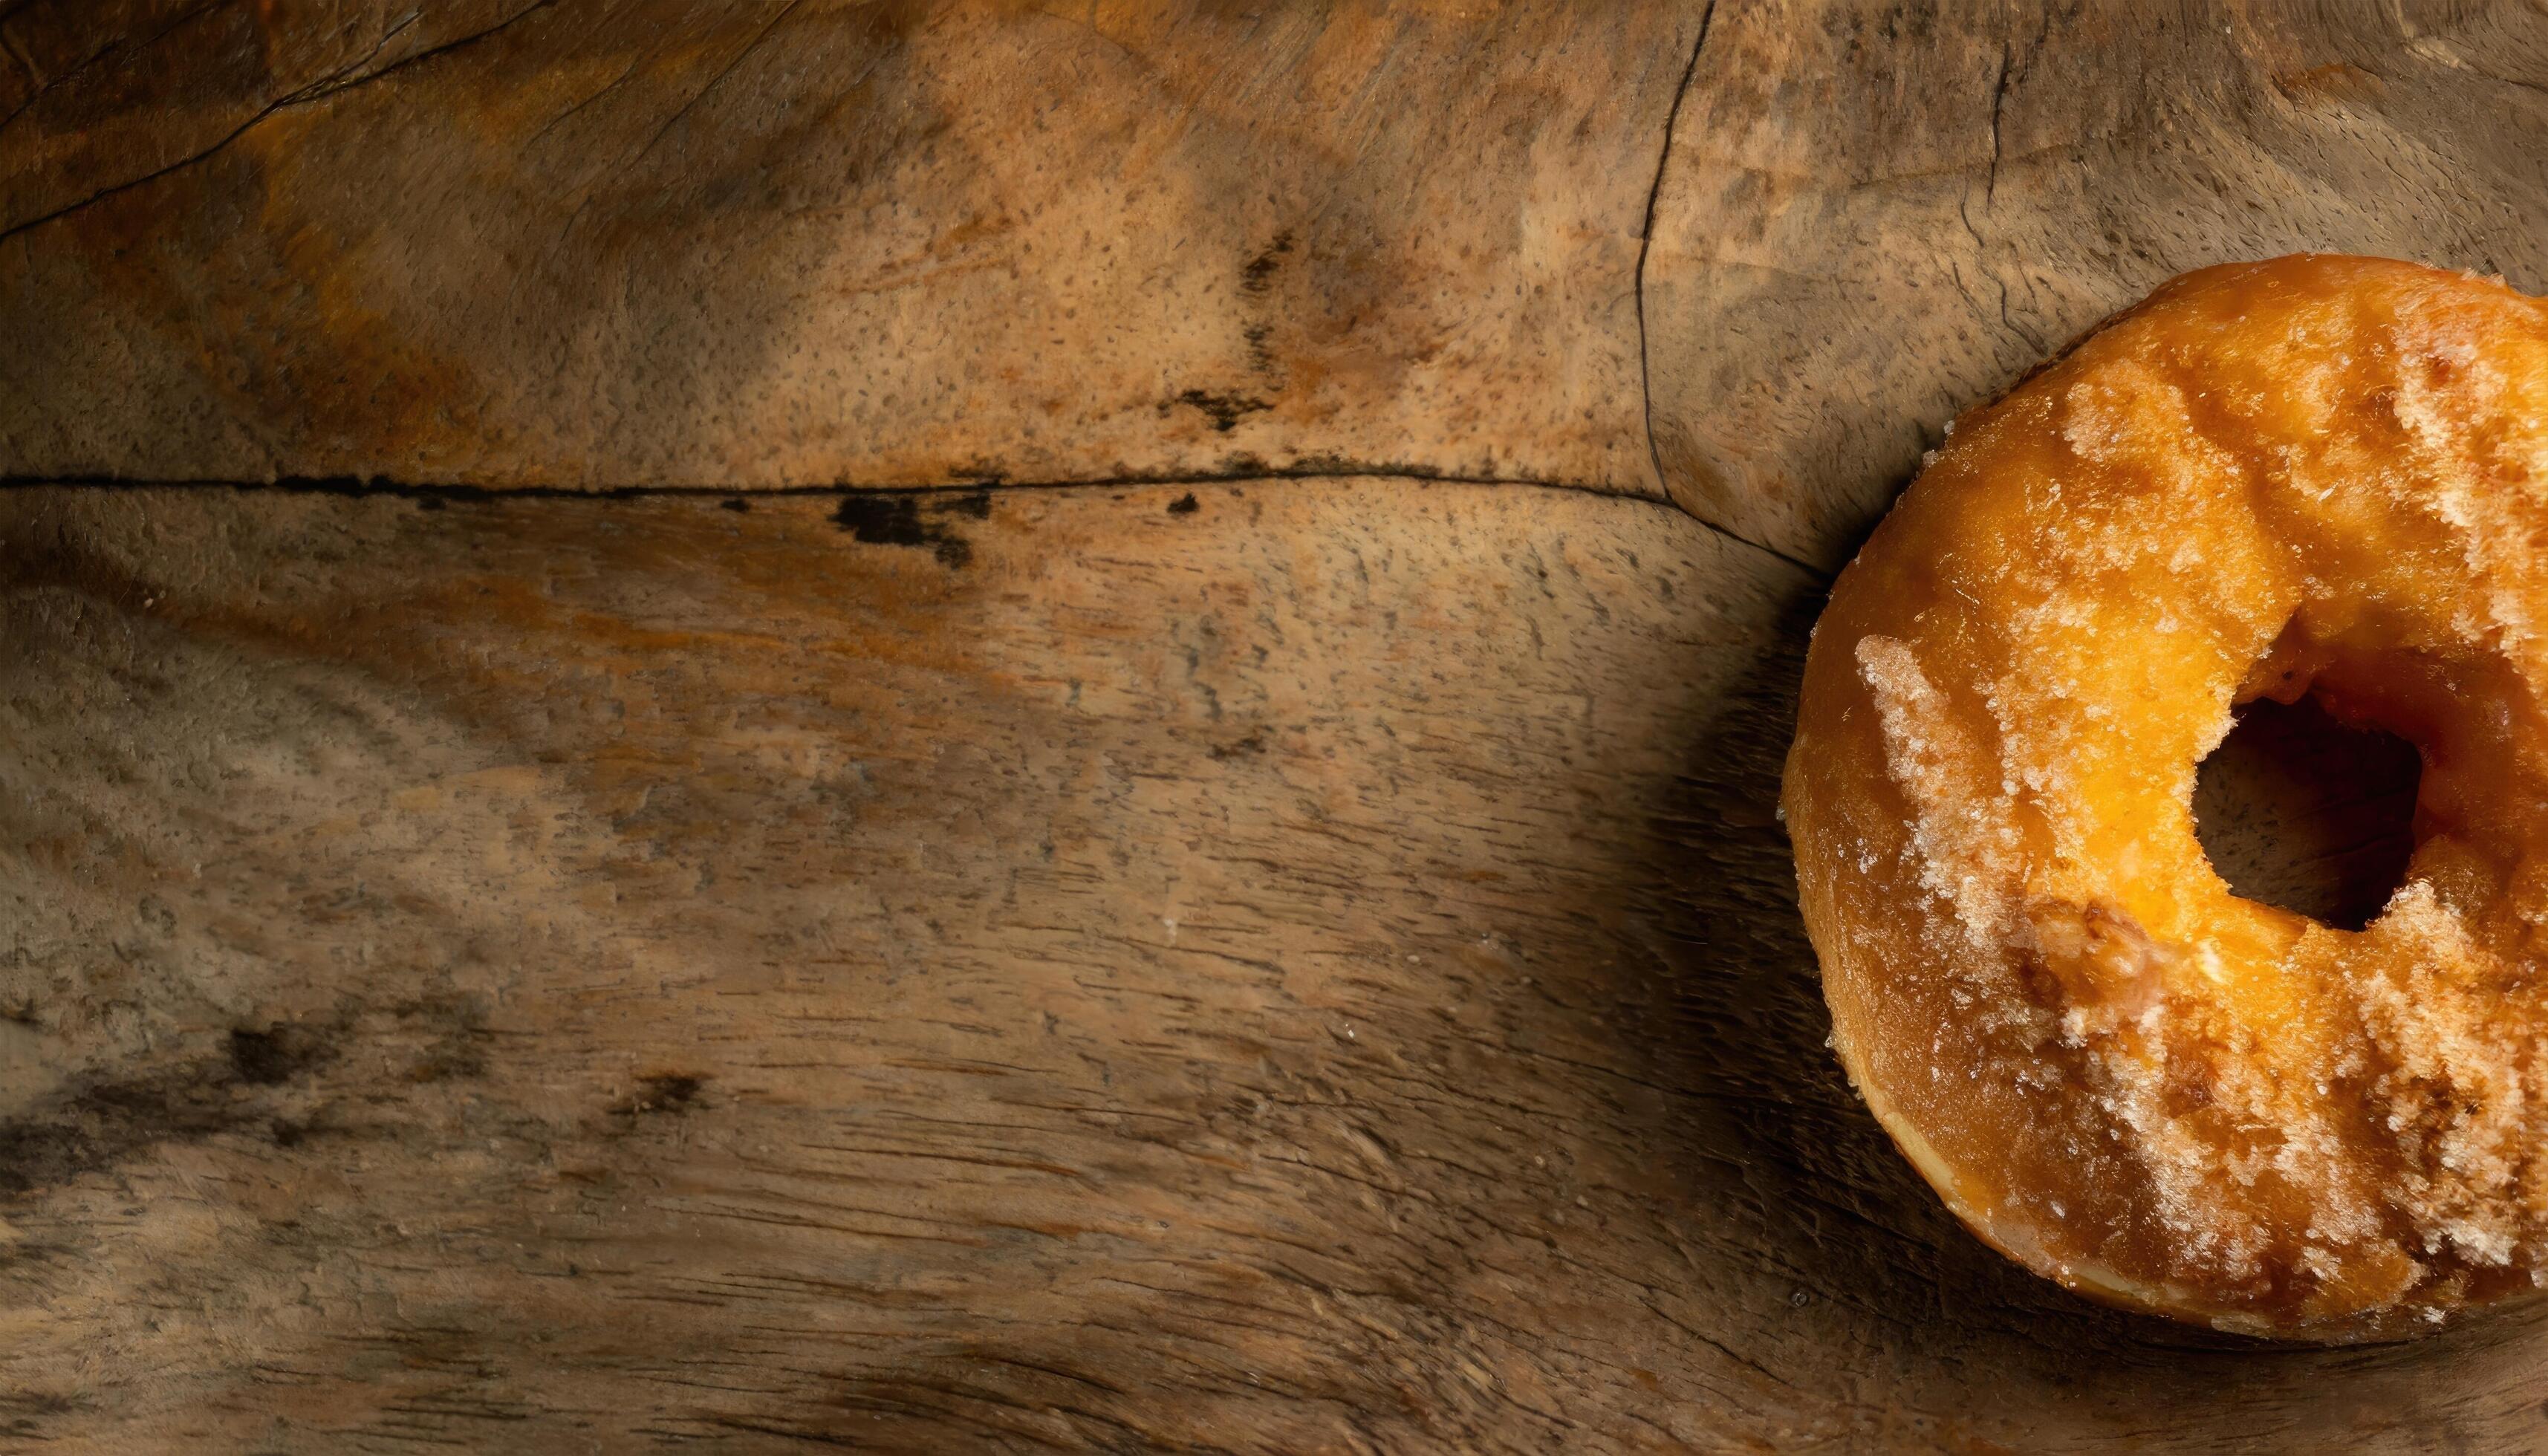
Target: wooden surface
{"points": [[1255, 950], [780, 243]]}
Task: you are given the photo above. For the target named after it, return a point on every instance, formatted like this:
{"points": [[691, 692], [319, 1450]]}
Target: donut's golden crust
{"points": [[2317, 474]]}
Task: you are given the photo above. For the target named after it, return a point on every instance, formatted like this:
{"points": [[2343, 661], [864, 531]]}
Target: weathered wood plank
{"points": [[1876, 216], [1288, 965], [787, 243]]}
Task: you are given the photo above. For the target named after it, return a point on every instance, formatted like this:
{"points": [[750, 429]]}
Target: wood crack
{"points": [[715, 82], [1646, 244], [46, 87], [1645, 349], [1999, 100], [317, 90]]}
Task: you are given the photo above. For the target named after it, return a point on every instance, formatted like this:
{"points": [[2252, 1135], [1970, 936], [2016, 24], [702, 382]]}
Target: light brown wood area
{"points": [[1196, 931], [559, 242]]}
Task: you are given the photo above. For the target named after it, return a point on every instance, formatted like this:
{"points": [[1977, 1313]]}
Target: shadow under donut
{"points": [[1740, 1027]]}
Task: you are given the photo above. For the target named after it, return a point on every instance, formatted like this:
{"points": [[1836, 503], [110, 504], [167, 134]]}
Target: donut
{"points": [[2318, 475]]}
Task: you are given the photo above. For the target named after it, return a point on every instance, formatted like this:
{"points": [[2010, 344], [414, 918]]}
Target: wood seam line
{"points": [[1645, 353], [1645, 247], [353, 486]]}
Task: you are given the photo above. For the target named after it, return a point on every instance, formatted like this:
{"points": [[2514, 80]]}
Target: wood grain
{"points": [[1270, 966], [1876, 216], [793, 241], [1284, 959]]}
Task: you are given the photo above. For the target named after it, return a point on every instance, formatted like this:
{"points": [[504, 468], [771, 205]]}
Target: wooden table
{"points": [[931, 728]]}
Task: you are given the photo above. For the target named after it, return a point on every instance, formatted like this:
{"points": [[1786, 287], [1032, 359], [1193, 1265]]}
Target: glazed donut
{"points": [[2318, 475]]}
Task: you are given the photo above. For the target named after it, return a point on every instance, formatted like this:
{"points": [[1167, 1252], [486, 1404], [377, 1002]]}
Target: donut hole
{"points": [[2303, 812]]}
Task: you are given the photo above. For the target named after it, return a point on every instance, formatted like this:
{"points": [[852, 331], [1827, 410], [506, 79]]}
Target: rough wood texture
{"points": [[1881, 216], [1237, 964], [1288, 971], [789, 242]]}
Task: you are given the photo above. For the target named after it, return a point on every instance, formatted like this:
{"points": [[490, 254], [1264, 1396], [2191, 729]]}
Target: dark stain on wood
{"points": [[97, 1123], [898, 519], [276, 1055], [663, 1092], [1253, 743], [1223, 408], [1258, 276]]}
